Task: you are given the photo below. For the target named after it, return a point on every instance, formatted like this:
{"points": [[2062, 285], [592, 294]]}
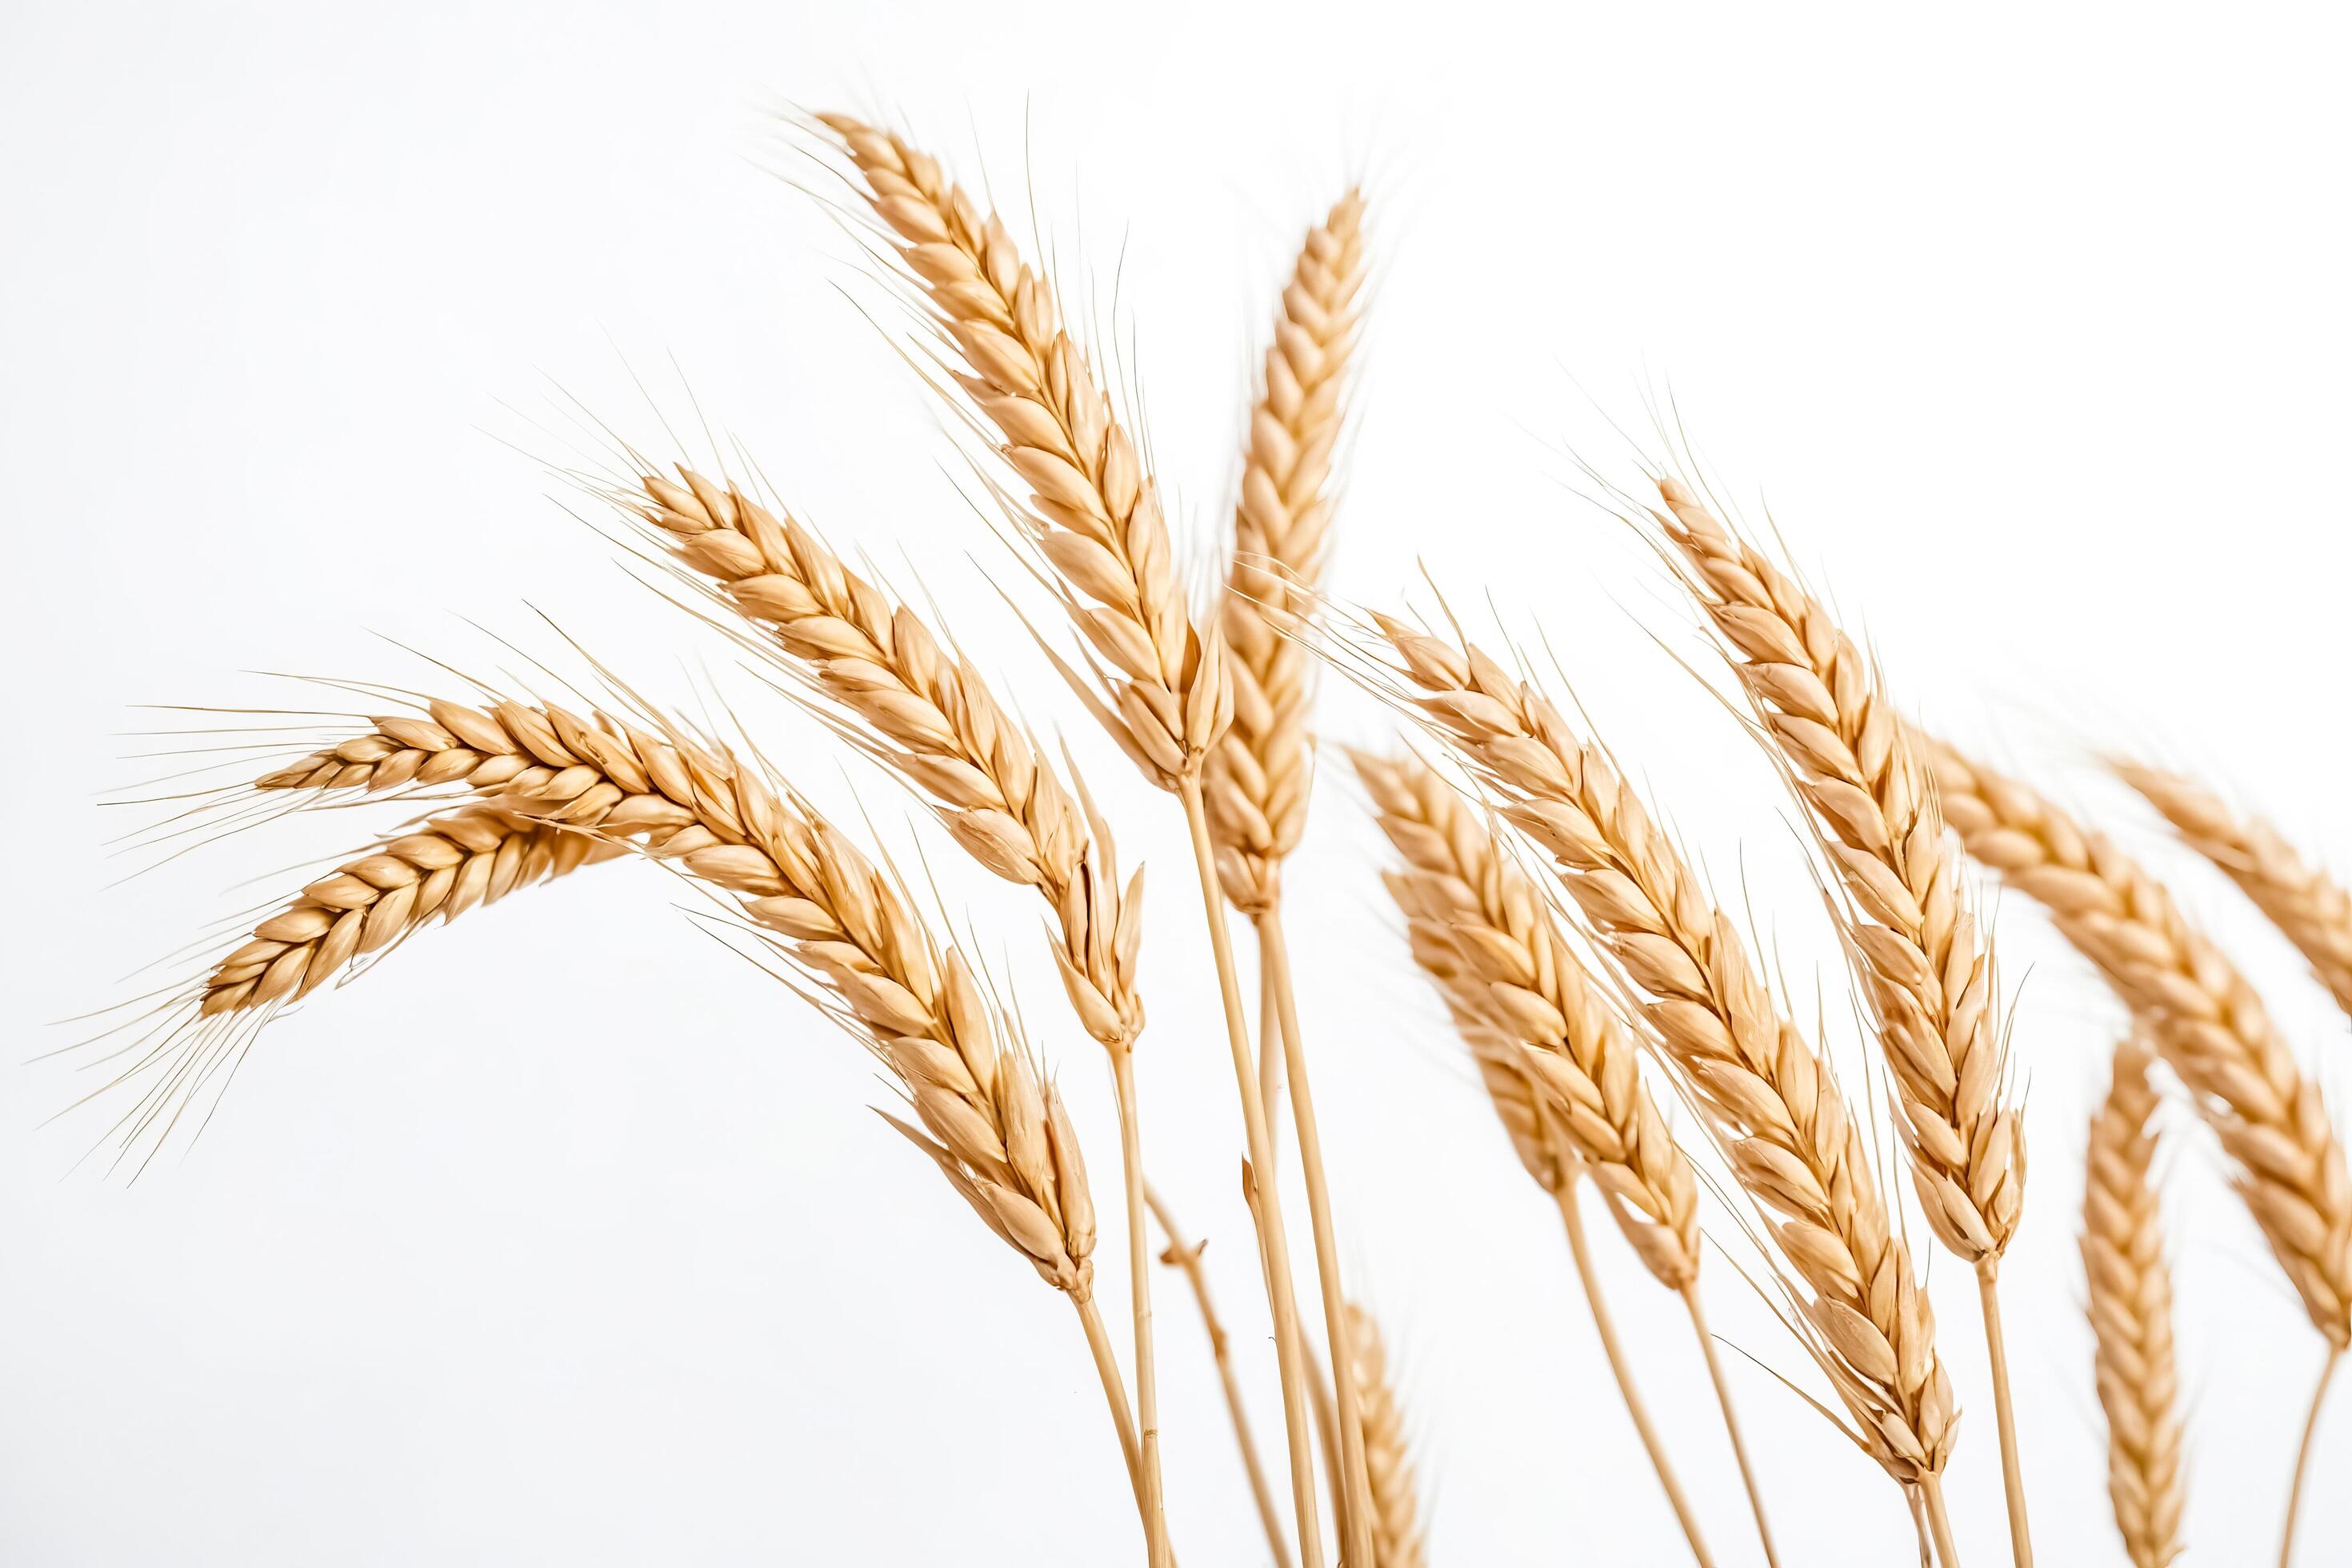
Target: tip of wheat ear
{"points": [[1093, 510], [1388, 1455]]}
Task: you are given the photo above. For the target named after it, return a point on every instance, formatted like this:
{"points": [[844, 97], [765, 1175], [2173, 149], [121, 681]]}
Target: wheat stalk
{"points": [[2131, 1315], [2202, 1015], [1157, 685], [1558, 1064], [1766, 1094], [1396, 1523], [1259, 775], [2306, 904], [1926, 968]]}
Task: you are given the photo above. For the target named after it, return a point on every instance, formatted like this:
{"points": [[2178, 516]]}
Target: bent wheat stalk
{"points": [[1926, 968], [1093, 512], [1557, 1062], [2131, 1315], [928, 714], [2204, 1019], [1765, 1095], [2309, 908]]}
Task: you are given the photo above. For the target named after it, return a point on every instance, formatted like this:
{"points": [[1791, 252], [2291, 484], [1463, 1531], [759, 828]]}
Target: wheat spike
{"points": [[996, 1126], [438, 870], [1093, 511], [1927, 970], [1767, 1095], [1396, 1510], [929, 714], [1259, 775], [2305, 902], [1486, 936], [2204, 1019], [2131, 1315]]}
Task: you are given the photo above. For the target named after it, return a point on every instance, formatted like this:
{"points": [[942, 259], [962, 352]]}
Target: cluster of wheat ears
{"points": [[1591, 976]]}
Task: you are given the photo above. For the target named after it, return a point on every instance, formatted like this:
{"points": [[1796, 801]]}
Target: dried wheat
{"points": [[1259, 775], [2203, 1017], [1767, 1095], [1093, 511], [2131, 1315], [2305, 902], [1396, 1510]]}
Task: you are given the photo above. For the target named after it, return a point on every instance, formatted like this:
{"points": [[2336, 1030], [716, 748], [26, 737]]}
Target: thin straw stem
{"points": [[1138, 1257], [1730, 1421], [1274, 959], [2302, 1456], [1624, 1374], [1919, 1525], [1273, 1251], [2012, 1473], [1185, 1255], [1931, 1492], [1115, 1391], [1269, 1059]]}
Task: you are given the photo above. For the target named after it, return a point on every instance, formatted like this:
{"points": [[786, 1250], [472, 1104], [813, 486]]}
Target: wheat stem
{"points": [[1997, 1350], [1920, 1527], [1931, 1492], [1185, 1257], [1269, 1057], [1274, 959], [1730, 1420], [2302, 1455], [1115, 1395], [1267, 1206], [1139, 1250], [1623, 1373]]}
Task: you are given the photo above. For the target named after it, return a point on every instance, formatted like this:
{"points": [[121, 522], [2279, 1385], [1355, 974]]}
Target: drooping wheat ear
{"points": [[438, 870], [1259, 775], [927, 712], [1767, 1095], [1093, 512], [2131, 1315], [2305, 902], [1487, 937], [1396, 1510], [2203, 1017], [1927, 970], [996, 1125]]}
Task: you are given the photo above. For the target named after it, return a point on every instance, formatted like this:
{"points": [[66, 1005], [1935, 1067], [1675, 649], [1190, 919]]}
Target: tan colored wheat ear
{"points": [[1093, 510], [1767, 1095], [1396, 1508], [2202, 1014], [1259, 775], [2131, 1315], [2308, 906]]}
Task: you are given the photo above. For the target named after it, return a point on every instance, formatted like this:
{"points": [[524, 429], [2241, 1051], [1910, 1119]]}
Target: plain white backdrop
{"points": [[564, 1238]]}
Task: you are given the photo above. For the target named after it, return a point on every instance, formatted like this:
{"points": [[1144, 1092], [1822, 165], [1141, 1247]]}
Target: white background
{"points": [[564, 1238]]}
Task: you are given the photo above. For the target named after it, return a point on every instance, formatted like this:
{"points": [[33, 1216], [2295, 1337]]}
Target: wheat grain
{"points": [[1259, 775], [2203, 1017], [438, 870], [1093, 510], [2305, 902], [1768, 1097], [2131, 1315], [1396, 1509]]}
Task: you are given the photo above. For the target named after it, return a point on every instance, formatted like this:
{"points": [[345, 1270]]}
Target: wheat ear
{"points": [[1158, 685], [1396, 1510], [1926, 969], [1259, 775], [1558, 1064], [2202, 1016], [2131, 1315], [995, 1126], [2307, 905], [924, 711], [1767, 1096]]}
